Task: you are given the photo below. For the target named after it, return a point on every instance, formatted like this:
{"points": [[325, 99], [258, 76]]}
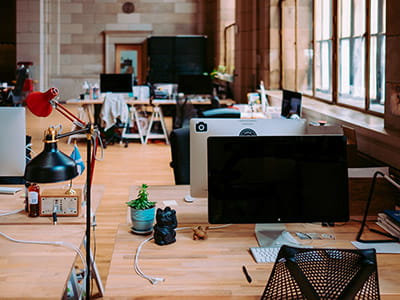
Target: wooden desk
{"points": [[87, 110], [212, 268], [43, 226], [16, 201], [31, 271], [131, 101]]}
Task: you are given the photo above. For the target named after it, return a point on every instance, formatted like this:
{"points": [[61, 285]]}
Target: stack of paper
{"points": [[390, 221]]}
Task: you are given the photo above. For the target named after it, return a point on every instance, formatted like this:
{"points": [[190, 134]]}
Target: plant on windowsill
{"points": [[221, 73], [142, 212]]}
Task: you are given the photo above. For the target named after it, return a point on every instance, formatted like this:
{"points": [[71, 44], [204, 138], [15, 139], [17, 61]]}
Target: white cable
{"points": [[153, 280], [57, 243], [96, 137], [11, 212], [220, 226]]}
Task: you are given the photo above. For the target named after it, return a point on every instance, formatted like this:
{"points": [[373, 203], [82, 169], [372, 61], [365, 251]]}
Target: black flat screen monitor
{"points": [[116, 83], [277, 179], [195, 84], [291, 104]]}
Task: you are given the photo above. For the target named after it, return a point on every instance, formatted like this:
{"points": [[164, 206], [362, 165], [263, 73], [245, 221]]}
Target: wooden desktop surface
{"points": [[31, 271], [16, 201], [212, 268]]}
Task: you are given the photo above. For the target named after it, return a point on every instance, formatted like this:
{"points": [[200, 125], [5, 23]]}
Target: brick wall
{"points": [[73, 34]]}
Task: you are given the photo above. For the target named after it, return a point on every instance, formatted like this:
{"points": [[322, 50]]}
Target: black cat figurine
{"points": [[164, 232]]}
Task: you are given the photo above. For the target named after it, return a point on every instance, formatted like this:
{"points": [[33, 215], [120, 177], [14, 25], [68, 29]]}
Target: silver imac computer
{"points": [[13, 142], [201, 129]]}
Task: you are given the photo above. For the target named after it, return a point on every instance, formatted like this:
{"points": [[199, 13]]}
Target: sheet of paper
{"points": [[170, 202], [379, 247]]}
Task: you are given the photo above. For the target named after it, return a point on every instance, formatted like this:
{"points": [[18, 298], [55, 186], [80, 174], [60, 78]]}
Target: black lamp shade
{"points": [[51, 165]]}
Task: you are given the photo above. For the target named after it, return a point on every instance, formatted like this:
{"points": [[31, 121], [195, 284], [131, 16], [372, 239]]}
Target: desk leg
{"points": [[157, 115], [84, 113], [134, 118], [95, 274]]}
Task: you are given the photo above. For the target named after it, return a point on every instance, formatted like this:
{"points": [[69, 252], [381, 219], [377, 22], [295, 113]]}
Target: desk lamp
{"points": [[51, 165]]}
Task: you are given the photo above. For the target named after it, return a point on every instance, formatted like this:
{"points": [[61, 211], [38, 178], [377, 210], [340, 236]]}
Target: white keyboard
{"points": [[264, 254]]}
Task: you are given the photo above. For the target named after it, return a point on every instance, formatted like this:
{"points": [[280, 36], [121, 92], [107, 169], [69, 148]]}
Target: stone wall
{"points": [[68, 47]]}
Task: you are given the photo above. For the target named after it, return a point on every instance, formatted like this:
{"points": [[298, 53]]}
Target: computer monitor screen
{"points": [[201, 129], [13, 142], [277, 179], [116, 83], [291, 104], [195, 84]]}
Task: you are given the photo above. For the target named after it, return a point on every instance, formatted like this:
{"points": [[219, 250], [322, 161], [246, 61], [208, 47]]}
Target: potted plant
{"points": [[142, 212]]}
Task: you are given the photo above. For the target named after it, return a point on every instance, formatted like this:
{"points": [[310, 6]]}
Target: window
{"points": [[340, 51]]}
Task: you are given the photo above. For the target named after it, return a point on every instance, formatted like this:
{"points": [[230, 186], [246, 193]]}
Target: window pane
{"points": [[323, 61], [359, 11], [351, 58], [378, 16], [305, 47], [323, 48], [344, 67], [377, 56], [345, 25], [377, 74], [323, 17], [326, 17]]}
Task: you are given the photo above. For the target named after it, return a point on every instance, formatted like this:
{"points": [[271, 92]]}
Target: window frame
{"points": [[333, 95]]}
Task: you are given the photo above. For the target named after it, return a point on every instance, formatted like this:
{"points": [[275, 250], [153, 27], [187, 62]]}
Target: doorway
{"points": [[129, 59]]}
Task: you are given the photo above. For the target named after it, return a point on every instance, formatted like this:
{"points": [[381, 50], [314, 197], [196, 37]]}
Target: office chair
{"points": [[311, 273], [185, 110], [179, 140]]}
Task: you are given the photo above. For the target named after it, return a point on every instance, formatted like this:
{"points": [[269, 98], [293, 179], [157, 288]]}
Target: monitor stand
{"points": [[274, 235]]}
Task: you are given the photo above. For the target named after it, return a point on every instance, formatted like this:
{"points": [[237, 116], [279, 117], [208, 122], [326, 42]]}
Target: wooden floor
{"points": [[120, 168]]}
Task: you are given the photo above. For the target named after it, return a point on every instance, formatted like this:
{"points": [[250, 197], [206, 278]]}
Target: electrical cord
{"points": [[155, 280], [57, 243], [96, 140], [12, 212]]}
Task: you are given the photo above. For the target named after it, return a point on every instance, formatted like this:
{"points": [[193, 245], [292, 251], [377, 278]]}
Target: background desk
{"points": [[37, 271], [212, 267]]}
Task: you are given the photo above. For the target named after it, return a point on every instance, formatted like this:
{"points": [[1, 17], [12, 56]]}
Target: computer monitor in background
{"points": [[195, 84], [116, 83], [13, 143], [164, 90], [291, 104], [201, 129], [277, 179]]}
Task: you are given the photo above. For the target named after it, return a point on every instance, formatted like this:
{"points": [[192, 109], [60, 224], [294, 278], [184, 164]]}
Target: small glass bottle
{"points": [[34, 194]]}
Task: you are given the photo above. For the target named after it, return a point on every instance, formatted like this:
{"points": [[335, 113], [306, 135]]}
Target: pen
{"points": [[246, 274]]}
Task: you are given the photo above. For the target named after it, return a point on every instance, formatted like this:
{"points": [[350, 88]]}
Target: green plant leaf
{"points": [[142, 199]]}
